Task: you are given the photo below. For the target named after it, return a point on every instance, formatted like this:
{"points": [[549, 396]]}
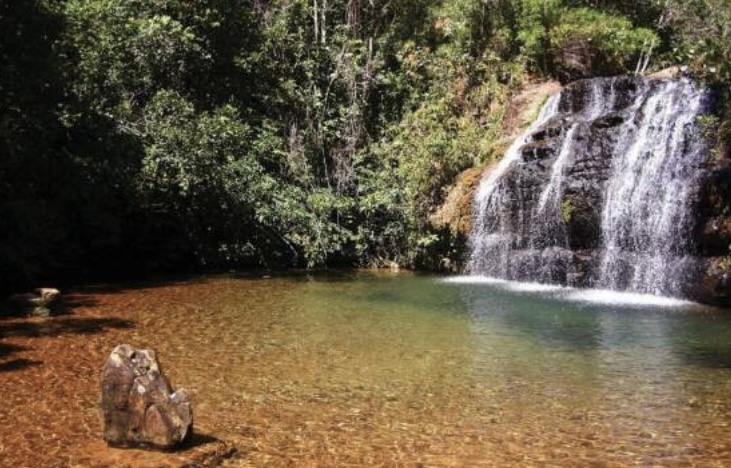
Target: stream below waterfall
{"points": [[380, 369]]}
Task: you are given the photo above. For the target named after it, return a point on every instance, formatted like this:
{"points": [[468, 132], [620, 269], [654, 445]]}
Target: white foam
{"points": [[608, 297], [594, 296], [474, 280], [534, 287], [505, 284]]}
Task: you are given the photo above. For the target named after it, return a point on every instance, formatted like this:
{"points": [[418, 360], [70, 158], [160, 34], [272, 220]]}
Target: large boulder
{"points": [[139, 406]]}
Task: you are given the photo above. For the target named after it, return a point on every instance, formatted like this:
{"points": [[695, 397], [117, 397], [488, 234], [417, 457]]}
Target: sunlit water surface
{"points": [[363, 369]]}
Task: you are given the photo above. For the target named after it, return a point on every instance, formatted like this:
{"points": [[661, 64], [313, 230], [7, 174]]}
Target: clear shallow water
{"points": [[366, 369]]}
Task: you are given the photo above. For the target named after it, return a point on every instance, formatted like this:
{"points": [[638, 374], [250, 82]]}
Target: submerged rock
{"points": [[139, 406], [37, 303]]}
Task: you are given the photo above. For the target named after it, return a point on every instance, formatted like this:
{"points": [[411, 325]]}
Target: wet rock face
{"points": [[714, 226], [139, 406], [611, 187], [715, 284], [589, 163], [559, 240]]}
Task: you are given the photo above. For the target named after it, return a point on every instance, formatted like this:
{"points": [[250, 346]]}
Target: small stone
{"points": [[37, 303], [647, 435], [139, 407]]}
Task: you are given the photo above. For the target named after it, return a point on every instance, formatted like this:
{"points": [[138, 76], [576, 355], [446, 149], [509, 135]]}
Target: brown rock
{"points": [[525, 106], [716, 236], [139, 407], [575, 59], [456, 211], [715, 284], [667, 73]]}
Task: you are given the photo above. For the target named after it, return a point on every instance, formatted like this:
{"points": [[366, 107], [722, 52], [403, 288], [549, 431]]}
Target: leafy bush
{"points": [[588, 42], [141, 135]]}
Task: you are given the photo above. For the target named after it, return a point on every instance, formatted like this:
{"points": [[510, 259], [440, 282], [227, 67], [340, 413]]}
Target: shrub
{"points": [[588, 42]]}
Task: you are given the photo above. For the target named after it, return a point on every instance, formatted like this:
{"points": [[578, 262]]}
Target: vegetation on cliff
{"points": [[150, 135]]}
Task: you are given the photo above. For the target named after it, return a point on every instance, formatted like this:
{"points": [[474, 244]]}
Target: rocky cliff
{"points": [[612, 187]]}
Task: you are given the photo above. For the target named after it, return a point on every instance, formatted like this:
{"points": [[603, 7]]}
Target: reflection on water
{"points": [[379, 369]]}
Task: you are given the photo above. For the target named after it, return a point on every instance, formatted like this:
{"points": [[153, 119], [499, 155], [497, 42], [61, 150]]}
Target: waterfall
{"points": [[496, 234], [600, 191]]}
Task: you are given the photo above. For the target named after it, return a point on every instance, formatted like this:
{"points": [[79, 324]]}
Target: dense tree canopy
{"points": [[156, 135]]}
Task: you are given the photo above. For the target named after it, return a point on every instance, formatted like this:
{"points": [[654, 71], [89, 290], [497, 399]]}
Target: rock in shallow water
{"points": [[139, 406], [36, 303]]}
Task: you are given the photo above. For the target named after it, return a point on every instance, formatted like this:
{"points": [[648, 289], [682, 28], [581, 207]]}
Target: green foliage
{"points": [[127, 50], [147, 135], [703, 37], [536, 19], [701, 40], [571, 42], [613, 39]]}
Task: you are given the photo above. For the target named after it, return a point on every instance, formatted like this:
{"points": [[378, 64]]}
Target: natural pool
{"points": [[380, 369]]}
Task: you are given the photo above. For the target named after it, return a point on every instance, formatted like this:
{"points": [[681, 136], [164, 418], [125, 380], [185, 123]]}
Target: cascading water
{"points": [[600, 191], [497, 235]]}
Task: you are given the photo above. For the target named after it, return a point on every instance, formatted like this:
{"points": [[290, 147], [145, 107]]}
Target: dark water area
{"points": [[381, 369]]}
